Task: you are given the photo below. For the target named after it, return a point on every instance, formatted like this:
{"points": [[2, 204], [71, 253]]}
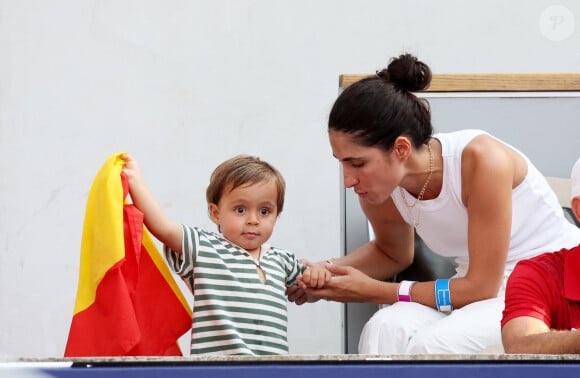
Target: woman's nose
{"points": [[349, 180]]}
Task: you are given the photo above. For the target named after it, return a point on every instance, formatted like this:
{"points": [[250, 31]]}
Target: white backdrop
{"points": [[183, 85]]}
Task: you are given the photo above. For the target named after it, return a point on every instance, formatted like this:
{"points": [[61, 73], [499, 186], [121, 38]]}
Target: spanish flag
{"points": [[127, 303]]}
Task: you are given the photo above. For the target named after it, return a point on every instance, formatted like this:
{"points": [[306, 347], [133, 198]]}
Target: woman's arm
{"points": [[392, 250], [165, 230], [490, 170], [359, 276]]}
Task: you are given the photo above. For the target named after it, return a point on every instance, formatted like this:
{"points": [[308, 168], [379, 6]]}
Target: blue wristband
{"points": [[443, 296]]}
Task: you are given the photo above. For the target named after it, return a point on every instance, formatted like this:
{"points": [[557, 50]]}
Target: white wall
{"points": [[182, 85]]}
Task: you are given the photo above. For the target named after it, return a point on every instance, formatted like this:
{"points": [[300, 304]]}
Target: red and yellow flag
{"points": [[128, 303]]}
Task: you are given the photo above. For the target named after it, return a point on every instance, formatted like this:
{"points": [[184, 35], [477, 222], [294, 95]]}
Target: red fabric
{"points": [[136, 311], [572, 275], [537, 288]]}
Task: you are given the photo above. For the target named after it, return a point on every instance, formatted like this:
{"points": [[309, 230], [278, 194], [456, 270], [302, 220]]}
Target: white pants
{"points": [[408, 327]]}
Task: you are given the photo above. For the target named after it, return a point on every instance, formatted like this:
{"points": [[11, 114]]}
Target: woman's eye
{"points": [[240, 210], [357, 165]]}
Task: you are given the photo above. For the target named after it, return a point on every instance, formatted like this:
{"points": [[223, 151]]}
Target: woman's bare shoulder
{"points": [[486, 155]]}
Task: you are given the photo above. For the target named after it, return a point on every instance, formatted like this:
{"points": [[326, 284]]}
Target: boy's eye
{"points": [[265, 211], [240, 210]]}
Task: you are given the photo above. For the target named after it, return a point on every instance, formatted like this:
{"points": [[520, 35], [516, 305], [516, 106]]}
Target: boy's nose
{"points": [[252, 218]]}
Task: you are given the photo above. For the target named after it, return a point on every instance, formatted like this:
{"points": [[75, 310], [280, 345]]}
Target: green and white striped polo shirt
{"points": [[233, 311]]}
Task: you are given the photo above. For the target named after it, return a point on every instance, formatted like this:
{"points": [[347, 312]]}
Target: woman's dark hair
{"points": [[378, 109]]}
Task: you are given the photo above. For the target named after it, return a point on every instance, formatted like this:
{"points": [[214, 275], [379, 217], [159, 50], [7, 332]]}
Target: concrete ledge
{"points": [[308, 358]]}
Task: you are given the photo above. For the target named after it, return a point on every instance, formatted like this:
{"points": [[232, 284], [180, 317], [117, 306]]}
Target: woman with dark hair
{"points": [[467, 194]]}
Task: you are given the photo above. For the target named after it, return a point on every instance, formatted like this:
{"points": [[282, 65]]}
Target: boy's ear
{"points": [[576, 207], [214, 213]]}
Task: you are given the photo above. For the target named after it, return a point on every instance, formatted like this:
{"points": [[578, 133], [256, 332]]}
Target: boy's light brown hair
{"points": [[244, 170]]}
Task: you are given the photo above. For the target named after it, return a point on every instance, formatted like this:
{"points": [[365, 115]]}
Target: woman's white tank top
{"points": [[538, 223]]}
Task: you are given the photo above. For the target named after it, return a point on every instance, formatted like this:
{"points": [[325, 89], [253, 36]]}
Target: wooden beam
{"points": [[530, 82]]}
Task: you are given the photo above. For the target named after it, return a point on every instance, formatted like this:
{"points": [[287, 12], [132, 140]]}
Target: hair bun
{"points": [[407, 72]]}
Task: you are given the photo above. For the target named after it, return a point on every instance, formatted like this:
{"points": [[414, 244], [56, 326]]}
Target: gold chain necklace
{"points": [[422, 192]]}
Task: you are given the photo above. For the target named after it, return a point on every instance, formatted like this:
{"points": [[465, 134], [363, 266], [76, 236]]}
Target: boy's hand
{"points": [[130, 168], [314, 277], [135, 179]]}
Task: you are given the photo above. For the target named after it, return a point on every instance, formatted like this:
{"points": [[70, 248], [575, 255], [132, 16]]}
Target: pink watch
{"points": [[404, 291]]}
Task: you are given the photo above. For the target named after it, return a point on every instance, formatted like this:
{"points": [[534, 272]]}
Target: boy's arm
{"points": [[165, 230]]}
